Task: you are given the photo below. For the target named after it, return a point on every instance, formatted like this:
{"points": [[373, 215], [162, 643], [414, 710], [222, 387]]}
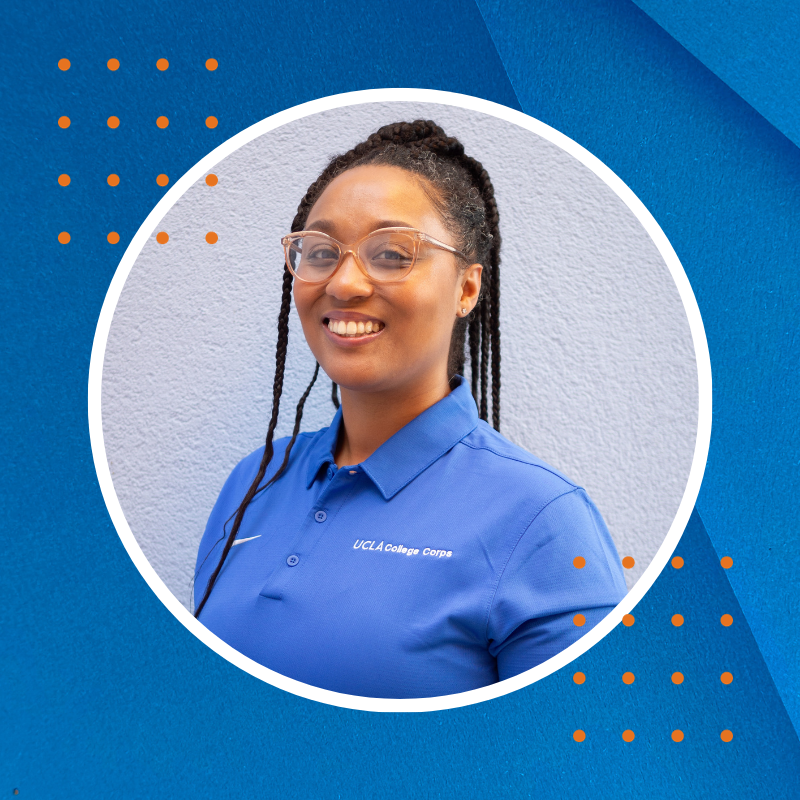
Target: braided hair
{"points": [[461, 191]]}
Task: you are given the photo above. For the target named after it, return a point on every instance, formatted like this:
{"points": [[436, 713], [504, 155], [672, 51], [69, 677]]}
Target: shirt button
{"points": [[320, 516], [292, 560]]}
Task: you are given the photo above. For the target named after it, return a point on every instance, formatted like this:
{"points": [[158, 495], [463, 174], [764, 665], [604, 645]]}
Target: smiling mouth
{"points": [[353, 330]]}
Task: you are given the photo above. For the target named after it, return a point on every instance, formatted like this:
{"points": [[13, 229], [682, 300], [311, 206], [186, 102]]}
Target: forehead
{"points": [[373, 193]]}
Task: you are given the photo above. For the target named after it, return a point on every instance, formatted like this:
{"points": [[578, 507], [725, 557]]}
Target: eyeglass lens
{"points": [[385, 256]]}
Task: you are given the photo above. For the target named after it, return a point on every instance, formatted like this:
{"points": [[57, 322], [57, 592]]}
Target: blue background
{"points": [[105, 694]]}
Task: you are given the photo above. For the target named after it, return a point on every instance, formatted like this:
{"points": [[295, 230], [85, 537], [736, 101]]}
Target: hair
{"points": [[461, 191]]}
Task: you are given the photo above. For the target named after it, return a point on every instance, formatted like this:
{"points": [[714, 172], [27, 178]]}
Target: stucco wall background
{"points": [[599, 374]]}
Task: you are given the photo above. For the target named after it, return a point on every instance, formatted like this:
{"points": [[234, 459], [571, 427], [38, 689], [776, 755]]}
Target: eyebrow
{"points": [[326, 226]]}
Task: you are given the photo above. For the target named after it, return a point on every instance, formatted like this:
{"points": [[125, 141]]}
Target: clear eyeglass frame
{"points": [[417, 236]]}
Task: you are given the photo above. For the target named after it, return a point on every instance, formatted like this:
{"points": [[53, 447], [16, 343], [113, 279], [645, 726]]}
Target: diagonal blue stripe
{"points": [[749, 44]]}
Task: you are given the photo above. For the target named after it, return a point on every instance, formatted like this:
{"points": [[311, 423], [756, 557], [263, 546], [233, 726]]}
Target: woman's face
{"points": [[417, 313]]}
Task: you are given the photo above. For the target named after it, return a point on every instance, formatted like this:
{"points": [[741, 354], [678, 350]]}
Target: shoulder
{"points": [[513, 467], [247, 468]]}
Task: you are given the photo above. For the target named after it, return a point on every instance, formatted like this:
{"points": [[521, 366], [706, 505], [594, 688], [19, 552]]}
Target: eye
{"points": [[322, 252]]}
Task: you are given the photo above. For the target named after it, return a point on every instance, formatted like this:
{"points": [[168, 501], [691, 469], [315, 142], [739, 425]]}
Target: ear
{"points": [[469, 288]]}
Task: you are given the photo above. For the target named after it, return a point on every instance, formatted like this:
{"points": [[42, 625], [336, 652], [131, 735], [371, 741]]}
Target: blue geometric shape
{"points": [[749, 44], [724, 185]]}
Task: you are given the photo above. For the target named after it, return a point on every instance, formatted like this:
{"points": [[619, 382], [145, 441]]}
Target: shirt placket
{"points": [[317, 523]]}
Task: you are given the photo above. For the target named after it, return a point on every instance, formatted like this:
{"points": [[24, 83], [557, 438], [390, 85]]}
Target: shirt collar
{"points": [[413, 448]]}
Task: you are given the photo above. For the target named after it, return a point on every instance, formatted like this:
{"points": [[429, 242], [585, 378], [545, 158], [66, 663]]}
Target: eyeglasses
{"points": [[385, 255]]}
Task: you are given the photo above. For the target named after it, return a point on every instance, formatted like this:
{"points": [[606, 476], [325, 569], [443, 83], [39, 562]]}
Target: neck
{"points": [[370, 418]]}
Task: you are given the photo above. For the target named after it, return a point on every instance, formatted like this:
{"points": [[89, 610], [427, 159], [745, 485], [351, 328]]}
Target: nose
{"points": [[349, 280]]}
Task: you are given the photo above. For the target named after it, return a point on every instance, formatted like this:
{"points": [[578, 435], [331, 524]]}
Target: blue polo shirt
{"points": [[442, 563]]}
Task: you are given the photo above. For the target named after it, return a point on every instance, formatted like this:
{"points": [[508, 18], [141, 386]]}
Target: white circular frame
{"points": [[667, 547]]}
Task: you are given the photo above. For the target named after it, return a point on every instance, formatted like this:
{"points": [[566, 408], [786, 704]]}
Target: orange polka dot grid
{"points": [[113, 64], [726, 620], [628, 677], [677, 678], [677, 736], [579, 562], [212, 180], [628, 562], [579, 736], [628, 620], [727, 562], [726, 736], [162, 122], [579, 620], [162, 237], [211, 64], [677, 620], [579, 678], [63, 180], [64, 122], [162, 64], [113, 122], [212, 122], [113, 180], [212, 237], [726, 678], [64, 64], [113, 237], [677, 562], [162, 179], [64, 237], [628, 736]]}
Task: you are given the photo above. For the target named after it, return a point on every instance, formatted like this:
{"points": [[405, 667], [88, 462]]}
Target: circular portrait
{"points": [[400, 400]]}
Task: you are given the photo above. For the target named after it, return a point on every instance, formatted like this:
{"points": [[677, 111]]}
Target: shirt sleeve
{"points": [[540, 589]]}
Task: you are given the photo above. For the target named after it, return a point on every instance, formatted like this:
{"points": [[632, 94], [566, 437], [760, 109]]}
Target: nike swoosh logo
{"points": [[250, 539]]}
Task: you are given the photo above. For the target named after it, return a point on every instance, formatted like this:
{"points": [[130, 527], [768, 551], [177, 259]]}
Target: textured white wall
{"points": [[599, 375]]}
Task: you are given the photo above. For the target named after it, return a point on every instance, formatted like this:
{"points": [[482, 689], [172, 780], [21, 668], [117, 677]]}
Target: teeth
{"points": [[352, 328]]}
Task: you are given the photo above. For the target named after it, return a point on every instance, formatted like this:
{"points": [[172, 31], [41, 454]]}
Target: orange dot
{"points": [[63, 122], [212, 237], [726, 678], [579, 562], [677, 620], [579, 678], [64, 237], [579, 736], [628, 562], [628, 677], [579, 620], [628, 736], [113, 122], [162, 237], [113, 64], [113, 180], [677, 736], [162, 179], [677, 562], [162, 64], [727, 562], [64, 64], [726, 620], [677, 677], [211, 64], [726, 736], [212, 180], [162, 122], [63, 180], [113, 237], [212, 122], [628, 620]]}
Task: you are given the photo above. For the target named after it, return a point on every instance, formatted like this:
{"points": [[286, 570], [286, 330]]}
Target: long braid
{"points": [[413, 146]]}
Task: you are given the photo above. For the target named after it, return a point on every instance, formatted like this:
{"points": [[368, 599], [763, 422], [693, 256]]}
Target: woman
{"points": [[407, 550]]}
